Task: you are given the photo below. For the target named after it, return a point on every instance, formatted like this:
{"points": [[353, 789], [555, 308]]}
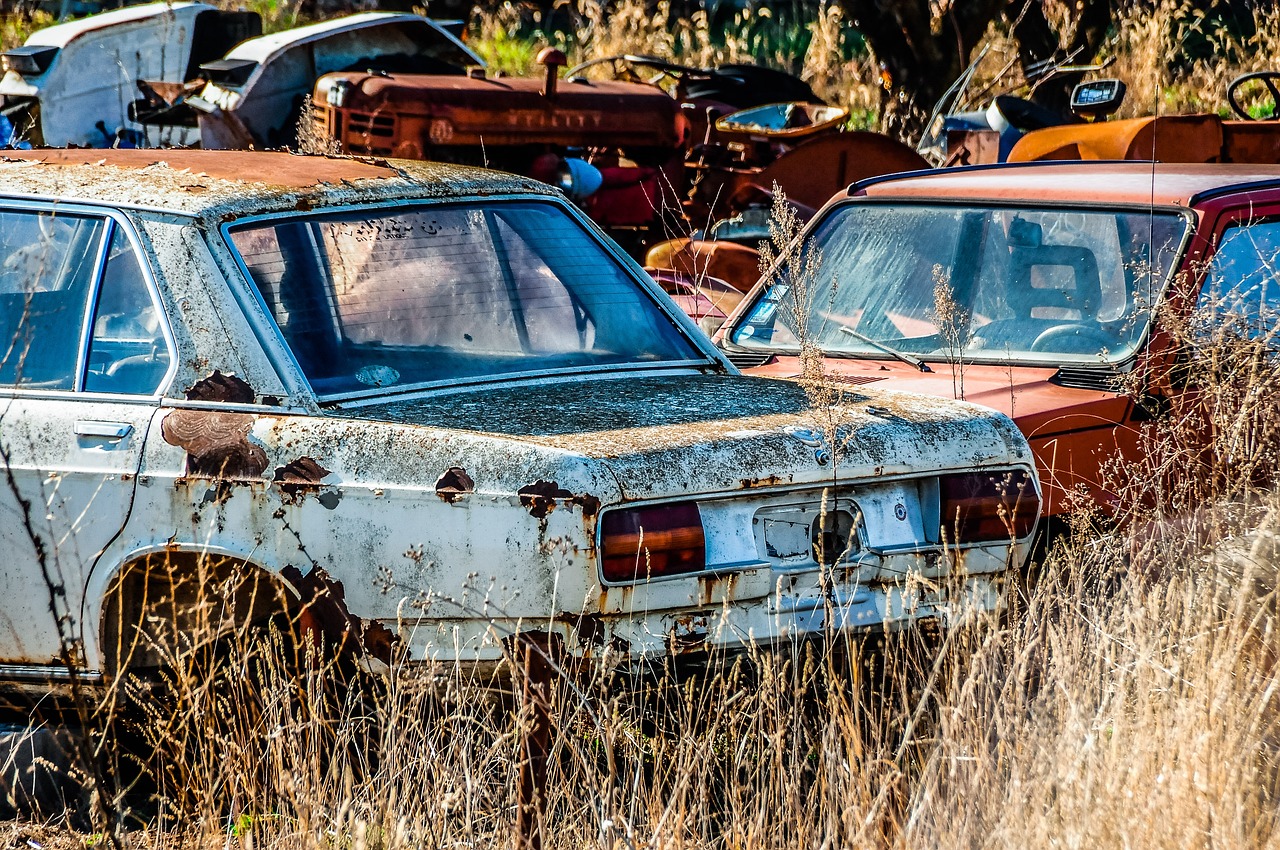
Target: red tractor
{"points": [[647, 163]]}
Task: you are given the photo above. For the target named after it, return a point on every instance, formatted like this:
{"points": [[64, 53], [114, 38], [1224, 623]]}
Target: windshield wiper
{"points": [[909, 359]]}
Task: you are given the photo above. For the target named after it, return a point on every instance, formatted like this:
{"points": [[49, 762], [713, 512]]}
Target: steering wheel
{"points": [[1268, 79], [1075, 338], [632, 61]]}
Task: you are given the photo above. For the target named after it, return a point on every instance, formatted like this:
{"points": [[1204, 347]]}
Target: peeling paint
{"points": [[539, 498], [767, 481], [324, 608], [590, 504], [220, 387], [302, 476], [217, 444], [689, 633], [453, 484], [590, 629]]}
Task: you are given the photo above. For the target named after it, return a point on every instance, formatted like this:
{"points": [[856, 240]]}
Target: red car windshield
{"points": [[406, 297], [983, 283]]}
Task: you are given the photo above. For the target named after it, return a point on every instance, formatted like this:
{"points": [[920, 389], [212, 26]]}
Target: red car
{"points": [[1029, 288]]}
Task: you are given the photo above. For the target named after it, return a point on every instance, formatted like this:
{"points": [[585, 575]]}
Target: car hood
{"points": [[669, 435], [1041, 403]]}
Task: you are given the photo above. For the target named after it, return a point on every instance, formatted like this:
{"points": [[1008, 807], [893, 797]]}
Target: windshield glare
{"points": [[375, 298], [970, 282]]}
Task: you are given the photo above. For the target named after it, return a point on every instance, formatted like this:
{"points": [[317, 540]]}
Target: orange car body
{"points": [[1069, 405]]}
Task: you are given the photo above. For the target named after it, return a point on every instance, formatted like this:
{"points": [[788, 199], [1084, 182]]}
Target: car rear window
{"points": [[377, 299]]}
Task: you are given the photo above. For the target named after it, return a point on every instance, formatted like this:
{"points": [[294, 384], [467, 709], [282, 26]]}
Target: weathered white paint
{"points": [[453, 578]]}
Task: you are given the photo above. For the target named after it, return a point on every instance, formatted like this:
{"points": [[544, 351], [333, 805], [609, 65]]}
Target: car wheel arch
{"points": [[161, 603]]}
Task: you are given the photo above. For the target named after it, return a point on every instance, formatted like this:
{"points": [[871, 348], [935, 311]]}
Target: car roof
{"points": [[222, 184], [60, 35], [1160, 184], [264, 47]]}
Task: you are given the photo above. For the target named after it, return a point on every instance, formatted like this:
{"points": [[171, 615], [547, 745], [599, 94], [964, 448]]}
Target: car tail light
{"points": [[979, 507], [651, 542]]}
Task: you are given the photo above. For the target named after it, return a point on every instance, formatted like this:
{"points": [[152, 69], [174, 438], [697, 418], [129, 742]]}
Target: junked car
{"points": [[186, 73], [86, 82], [1032, 288], [431, 408], [255, 93]]}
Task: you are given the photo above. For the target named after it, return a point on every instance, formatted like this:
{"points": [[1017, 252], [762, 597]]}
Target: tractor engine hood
{"points": [[426, 111]]}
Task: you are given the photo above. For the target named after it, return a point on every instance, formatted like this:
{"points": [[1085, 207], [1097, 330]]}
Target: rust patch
{"points": [[768, 481], [217, 444], [539, 498], [299, 477], [588, 628], [590, 504], [220, 387], [453, 484], [688, 634], [304, 470], [324, 609], [721, 584]]}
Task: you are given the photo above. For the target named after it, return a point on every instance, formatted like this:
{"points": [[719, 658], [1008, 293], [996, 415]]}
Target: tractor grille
{"points": [[370, 133]]}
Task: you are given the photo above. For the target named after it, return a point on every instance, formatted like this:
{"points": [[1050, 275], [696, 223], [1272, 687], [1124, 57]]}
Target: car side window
{"points": [[48, 262], [127, 352], [1242, 286]]}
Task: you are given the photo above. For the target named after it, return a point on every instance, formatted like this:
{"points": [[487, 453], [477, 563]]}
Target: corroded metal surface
{"points": [[438, 524], [216, 184]]}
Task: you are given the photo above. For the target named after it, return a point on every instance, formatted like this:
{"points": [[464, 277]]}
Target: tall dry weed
{"points": [[1149, 49], [1131, 702]]}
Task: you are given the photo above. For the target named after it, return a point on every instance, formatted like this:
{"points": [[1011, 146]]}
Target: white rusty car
{"points": [[428, 408]]}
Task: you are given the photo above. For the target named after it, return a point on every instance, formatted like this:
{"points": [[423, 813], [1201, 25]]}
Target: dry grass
{"points": [[1130, 702], [1148, 45]]}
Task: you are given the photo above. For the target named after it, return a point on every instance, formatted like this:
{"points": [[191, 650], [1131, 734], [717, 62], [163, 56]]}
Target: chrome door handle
{"points": [[109, 430]]}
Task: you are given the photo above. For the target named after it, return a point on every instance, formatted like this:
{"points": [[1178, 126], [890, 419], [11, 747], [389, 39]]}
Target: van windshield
{"points": [[375, 299], [984, 283]]}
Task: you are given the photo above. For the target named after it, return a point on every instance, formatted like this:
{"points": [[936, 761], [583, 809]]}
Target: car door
{"points": [[84, 353], [1242, 276]]}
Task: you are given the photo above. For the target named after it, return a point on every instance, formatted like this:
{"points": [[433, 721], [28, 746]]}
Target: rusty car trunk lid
{"points": [[703, 434]]}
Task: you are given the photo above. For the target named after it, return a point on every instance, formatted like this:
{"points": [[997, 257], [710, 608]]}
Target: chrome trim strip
{"points": [[41, 672]]}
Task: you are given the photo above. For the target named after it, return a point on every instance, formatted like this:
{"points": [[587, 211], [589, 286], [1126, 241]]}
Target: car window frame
{"points": [[282, 358], [731, 325], [113, 218], [1236, 215]]}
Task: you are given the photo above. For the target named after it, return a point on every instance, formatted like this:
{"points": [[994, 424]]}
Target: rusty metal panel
{"points": [[413, 115]]}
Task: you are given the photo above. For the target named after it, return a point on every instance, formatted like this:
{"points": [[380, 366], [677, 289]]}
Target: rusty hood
{"points": [[713, 433]]}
